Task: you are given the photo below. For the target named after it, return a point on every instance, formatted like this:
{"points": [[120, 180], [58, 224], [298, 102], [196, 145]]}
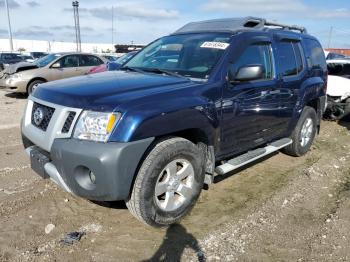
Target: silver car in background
{"points": [[49, 68]]}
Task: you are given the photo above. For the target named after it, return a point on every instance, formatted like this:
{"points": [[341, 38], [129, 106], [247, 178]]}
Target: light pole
{"points": [[112, 25], [330, 36], [75, 5], [9, 25]]}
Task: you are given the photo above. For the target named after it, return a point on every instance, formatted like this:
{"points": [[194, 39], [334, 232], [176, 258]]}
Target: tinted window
{"points": [[315, 54], [69, 61], [298, 56], [258, 54], [286, 59], [90, 60]]}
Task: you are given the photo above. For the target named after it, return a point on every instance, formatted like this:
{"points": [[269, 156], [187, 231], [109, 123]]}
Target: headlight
{"points": [[16, 76], [95, 126]]}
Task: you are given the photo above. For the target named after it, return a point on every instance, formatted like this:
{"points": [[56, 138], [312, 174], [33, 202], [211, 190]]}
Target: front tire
{"points": [[168, 183], [303, 134], [33, 85]]}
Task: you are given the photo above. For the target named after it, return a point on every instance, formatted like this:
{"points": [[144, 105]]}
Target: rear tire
{"points": [[32, 86], [168, 182], [303, 134]]}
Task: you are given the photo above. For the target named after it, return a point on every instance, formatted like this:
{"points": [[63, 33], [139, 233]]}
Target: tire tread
{"points": [[294, 149], [133, 204]]}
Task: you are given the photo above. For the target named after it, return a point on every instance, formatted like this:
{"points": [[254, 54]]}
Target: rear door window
{"points": [[89, 60], [298, 56], [286, 59]]}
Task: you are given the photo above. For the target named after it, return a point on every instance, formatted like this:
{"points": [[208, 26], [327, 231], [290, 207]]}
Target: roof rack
{"points": [[286, 27], [235, 24]]}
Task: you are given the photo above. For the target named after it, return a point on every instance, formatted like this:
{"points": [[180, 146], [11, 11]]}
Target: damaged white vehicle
{"points": [[338, 91]]}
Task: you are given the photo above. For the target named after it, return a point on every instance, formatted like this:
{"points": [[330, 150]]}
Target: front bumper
{"points": [[19, 85], [113, 165]]}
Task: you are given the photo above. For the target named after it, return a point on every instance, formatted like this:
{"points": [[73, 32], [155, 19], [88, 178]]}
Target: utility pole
{"points": [[79, 37], [330, 36], [75, 26], [75, 5], [9, 25], [112, 25]]}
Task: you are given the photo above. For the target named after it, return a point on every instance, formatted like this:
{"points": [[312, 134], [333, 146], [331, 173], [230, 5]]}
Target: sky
{"points": [[141, 22]]}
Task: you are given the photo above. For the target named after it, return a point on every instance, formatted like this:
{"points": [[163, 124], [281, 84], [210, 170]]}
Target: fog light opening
{"points": [[92, 177], [85, 177]]}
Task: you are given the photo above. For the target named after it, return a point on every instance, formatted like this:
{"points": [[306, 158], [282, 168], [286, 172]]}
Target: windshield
{"points": [[44, 61], [189, 55], [121, 60]]}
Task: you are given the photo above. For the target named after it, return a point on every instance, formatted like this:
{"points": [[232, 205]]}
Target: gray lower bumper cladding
{"points": [[95, 171]]}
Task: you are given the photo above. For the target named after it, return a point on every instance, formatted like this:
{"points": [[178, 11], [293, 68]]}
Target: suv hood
{"points": [[105, 91]]}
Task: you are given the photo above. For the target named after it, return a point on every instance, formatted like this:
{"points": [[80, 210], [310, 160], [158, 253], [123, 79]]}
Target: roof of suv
{"points": [[233, 25]]}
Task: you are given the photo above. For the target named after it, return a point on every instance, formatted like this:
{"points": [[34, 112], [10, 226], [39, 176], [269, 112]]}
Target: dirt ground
{"points": [[280, 209]]}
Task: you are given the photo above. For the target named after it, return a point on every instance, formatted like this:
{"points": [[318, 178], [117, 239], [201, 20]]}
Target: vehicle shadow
{"points": [[345, 122], [175, 241], [16, 95], [111, 204]]}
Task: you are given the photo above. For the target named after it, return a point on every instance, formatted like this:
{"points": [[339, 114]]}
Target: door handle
{"points": [[271, 92], [275, 92], [264, 93]]}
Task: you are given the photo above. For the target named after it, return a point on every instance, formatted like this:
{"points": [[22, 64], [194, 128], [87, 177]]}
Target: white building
{"points": [[53, 46]]}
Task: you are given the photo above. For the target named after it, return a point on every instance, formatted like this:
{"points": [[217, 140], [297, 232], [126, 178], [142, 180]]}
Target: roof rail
{"points": [[234, 24], [287, 27], [261, 22]]}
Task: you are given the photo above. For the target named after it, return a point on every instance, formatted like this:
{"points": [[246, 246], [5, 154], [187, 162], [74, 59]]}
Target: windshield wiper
{"points": [[134, 69], [163, 71]]}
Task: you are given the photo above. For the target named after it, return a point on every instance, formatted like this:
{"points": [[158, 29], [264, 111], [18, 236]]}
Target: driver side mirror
{"points": [[246, 73], [56, 65]]}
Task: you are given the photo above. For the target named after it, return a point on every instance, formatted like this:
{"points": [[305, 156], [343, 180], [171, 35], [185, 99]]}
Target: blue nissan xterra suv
{"points": [[203, 101]]}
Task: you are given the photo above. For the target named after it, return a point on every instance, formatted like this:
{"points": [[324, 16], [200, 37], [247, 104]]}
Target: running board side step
{"points": [[251, 156]]}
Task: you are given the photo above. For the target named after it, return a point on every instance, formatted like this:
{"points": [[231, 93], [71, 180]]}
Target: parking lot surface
{"points": [[283, 208]]}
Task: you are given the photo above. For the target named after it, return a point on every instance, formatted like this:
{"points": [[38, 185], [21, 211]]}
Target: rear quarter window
{"points": [[315, 55]]}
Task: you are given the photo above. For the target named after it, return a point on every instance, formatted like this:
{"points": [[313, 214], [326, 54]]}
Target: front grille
{"points": [[44, 121], [68, 123]]}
